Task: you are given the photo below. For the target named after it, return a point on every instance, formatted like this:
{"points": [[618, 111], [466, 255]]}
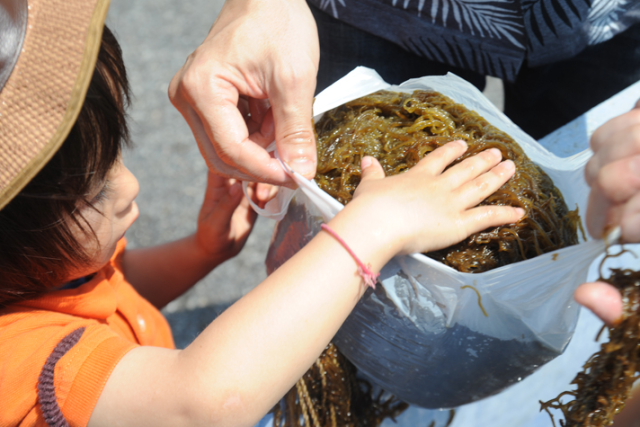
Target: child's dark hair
{"points": [[37, 245]]}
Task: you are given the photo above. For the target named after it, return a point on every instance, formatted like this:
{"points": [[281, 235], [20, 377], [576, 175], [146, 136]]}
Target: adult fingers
{"points": [[259, 118], [621, 143], [254, 112], [601, 298], [245, 158], [258, 108], [598, 211], [210, 105], [630, 220], [602, 137], [618, 181]]}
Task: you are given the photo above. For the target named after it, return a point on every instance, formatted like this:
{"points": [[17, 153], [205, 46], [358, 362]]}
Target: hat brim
{"points": [[42, 98]]}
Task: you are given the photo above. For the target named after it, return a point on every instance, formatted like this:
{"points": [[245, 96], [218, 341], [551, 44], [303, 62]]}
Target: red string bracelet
{"points": [[370, 278]]}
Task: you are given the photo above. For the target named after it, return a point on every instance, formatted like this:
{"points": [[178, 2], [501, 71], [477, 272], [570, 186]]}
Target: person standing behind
{"points": [[253, 79]]}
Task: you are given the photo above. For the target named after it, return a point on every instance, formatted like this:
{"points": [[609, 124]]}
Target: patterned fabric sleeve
{"points": [[493, 37]]}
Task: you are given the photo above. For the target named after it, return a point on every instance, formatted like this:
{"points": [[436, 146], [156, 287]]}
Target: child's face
{"points": [[118, 211]]}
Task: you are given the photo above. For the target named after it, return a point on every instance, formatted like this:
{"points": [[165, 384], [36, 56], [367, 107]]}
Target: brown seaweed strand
{"points": [[330, 395]]}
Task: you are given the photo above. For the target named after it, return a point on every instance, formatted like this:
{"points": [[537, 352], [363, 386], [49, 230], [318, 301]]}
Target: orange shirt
{"points": [[115, 319]]}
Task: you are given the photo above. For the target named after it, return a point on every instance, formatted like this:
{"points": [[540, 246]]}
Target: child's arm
{"points": [[162, 273], [251, 355]]}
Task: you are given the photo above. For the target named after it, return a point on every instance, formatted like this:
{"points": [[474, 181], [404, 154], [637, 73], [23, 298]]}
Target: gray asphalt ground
{"points": [[156, 37]]}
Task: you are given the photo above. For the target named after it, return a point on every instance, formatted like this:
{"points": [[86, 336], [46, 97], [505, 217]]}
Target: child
{"points": [[81, 339]]}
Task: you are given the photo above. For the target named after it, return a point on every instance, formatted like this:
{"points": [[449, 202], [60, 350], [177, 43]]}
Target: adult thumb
{"points": [[292, 114]]}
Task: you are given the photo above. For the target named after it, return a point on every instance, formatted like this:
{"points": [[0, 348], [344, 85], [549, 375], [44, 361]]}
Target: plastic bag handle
{"points": [[276, 208]]}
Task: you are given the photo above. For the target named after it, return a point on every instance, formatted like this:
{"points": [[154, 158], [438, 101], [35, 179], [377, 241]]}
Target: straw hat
{"points": [[48, 51]]}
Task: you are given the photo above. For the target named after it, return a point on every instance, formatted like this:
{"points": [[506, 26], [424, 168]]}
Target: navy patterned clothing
{"points": [[490, 37]]}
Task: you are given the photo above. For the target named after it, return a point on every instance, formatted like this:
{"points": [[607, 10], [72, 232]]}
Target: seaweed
{"points": [[399, 129], [331, 395], [604, 384]]}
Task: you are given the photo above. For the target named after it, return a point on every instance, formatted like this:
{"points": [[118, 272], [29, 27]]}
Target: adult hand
{"points": [[614, 176], [252, 81], [601, 298]]}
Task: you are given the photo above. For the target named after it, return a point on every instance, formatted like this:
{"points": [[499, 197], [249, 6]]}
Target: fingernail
{"points": [[509, 165], [462, 143], [495, 152], [304, 166], [521, 212], [366, 162]]}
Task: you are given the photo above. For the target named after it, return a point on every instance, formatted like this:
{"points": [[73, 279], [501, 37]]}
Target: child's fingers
{"points": [[243, 219], [371, 169], [216, 182], [265, 192], [243, 215], [217, 188], [478, 189], [483, 217], [227, 204], [438, 160], [472, 167]]}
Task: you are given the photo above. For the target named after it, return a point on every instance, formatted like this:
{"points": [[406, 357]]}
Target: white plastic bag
{"points": [[429, 334]]}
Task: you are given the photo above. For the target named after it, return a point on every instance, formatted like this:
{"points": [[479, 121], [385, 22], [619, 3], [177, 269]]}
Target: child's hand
{"points": [[226, 218], [162, 273], [426, 209]]}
